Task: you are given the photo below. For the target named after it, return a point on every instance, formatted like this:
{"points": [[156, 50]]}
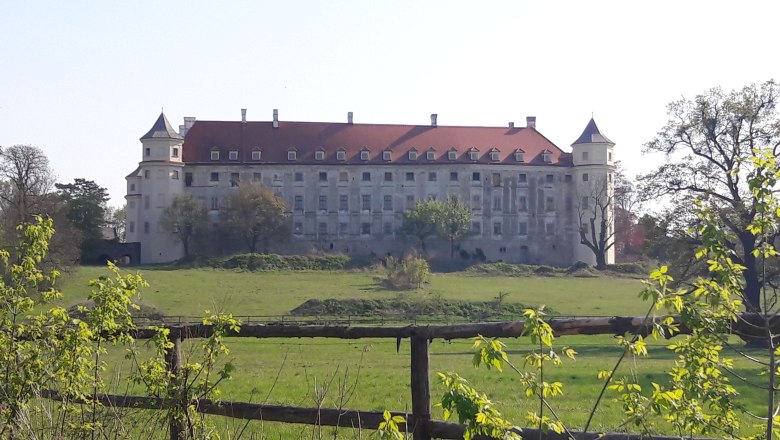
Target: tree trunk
{"points": [[452, 248], [751, 273], [601, 260]]}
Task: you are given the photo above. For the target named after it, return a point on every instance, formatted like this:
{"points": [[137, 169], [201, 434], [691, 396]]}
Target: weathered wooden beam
{"points": [[421, 388]]}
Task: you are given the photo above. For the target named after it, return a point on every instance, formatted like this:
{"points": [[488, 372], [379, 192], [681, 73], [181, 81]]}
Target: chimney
{"points": [[349, 118], [276, 118], [189, 121], [530, 121], [243, 115], [434, 116], [511, 125]]}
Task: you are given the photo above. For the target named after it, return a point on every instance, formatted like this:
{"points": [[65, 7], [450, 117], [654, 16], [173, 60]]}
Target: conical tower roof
{"points": [[162, 130], [592, 135]]}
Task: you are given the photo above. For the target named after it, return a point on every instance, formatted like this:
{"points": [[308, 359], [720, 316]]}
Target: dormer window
{"points": [[341, 155], [494, 155], [547, 156], [319, 155], [386, 155], [430, 155], [233, 155], [412, 155], [519, 156], [364, 155], [292, 155], [452, 155], [256, 155], [474, 154], [215, 155]]}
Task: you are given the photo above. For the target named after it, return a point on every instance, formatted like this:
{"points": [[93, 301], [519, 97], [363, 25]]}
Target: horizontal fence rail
{"points": [[419, 422]]}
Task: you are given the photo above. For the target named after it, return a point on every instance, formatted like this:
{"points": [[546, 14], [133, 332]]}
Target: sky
{"points": [[84, 80]]}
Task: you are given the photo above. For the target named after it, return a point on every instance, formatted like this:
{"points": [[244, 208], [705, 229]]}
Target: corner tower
{"points": [[594, 173], [150, 189]]}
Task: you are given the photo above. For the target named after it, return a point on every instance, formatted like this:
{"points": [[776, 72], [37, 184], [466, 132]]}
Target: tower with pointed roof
{"points": [[150, 189], [594, 171]]}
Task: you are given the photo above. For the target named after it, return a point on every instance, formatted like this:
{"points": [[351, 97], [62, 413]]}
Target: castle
{"points": [[347, 185]]}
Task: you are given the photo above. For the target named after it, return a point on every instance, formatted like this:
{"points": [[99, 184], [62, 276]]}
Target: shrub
{"points": [[407, 273], [254, 262], [630, 268]]}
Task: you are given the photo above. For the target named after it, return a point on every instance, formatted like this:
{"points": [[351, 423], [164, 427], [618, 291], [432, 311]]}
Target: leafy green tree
{"points": [[257, 216], [186, 218], [709, 145], [422, 221], [85, 207], [454, 221]]}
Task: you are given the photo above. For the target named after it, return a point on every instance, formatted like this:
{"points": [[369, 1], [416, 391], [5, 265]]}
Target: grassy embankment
{"points": [[289, 371]]}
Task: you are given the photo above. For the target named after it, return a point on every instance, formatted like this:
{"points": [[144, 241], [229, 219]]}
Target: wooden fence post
{"points": [[173, 359], [421, 388]]}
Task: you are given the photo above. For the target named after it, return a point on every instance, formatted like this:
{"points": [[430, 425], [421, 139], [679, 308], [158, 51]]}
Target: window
{"points": [[298, 176], [386, 155], [502, 249], [410, 177], [430, 155], [343, 176], [609, 156], [584, 177], [341, 155], [494, 155], [497, 203], [319, 155], [322, 203], [132, 187], [568, 204], [549, 204], [256, 155], [432, 176], [549, 178], [146, 227], [550, 228], [343, 203], [584, 203], [147, 174], [323, 176], [215, 155], [364, 155], [387, 228], [412, 155], [215, 203], [584, 155], [365, 202], [547, 156], [387, 203], [497, 228], [298, 203], [409, 201], [365, 228], [452, 155], [453, 176], [496, 177], [476, 228], [131, 227], [609, 177], [187, 179], [388, 176], [519, 156], [175, 152], [234, 179], [256, 177], [233, 155], [476, 202], [522, 203], [214, 177], [322, 228], [343, 227], [473, 155], [522, 228], [475, 177], [567, 178], [366, 176], [522, 178], [147, 151], [292, 155], [298, 228]]}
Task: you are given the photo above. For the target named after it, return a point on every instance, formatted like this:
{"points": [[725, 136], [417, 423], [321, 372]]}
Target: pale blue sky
{"points": [[84, 80]]}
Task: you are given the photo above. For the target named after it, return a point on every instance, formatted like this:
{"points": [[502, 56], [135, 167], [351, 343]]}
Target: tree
{"points": [[709, 144], [26, 178], [597, 222], [421, 221], [116, 219], [186, 218], [85, 207], [257, 216], [629, 234], [454, 221]]}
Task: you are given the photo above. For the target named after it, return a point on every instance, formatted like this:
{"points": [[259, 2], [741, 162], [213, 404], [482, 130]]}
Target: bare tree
{"points": [[597, 223], [27, 179], [185, 218]]}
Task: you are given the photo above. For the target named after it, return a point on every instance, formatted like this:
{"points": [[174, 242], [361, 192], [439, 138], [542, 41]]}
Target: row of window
{"points": [[387, 228], [387, 155], [174, 152]]}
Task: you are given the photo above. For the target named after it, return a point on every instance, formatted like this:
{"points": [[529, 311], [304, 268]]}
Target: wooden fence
{"points": [[419, 421]]}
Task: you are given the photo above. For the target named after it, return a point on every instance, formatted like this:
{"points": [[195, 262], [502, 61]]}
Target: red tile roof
{"points": [[307, 137]]}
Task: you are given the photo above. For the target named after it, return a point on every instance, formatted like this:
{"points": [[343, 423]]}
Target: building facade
{"points": [[348, 185]]}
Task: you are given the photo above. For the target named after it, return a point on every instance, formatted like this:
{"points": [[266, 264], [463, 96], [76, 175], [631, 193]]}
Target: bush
{"points": [[254, 262], [544, 270], [407, 273], [630, 268]]}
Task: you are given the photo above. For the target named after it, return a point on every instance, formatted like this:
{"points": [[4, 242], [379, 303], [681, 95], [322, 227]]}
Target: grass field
{"points": [[294, 371]]}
